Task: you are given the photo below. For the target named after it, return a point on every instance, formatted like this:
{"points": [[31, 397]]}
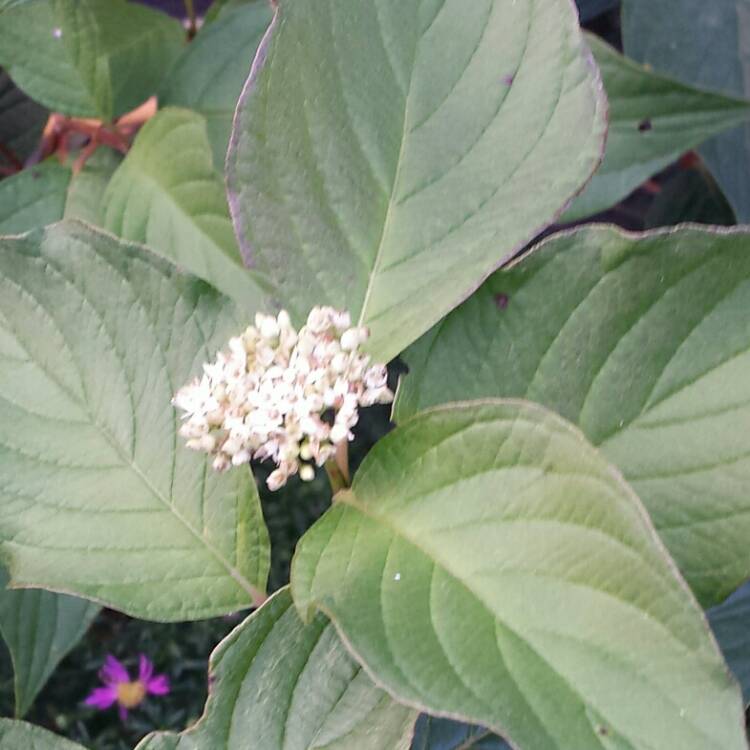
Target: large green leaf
{"points": [[39, 628], [98, 496], [220, 8], [7, 4], [444, 734], [18, 735], [21, 120], [488, 564], [168, 195], [653, 120], [33, 198], [48, 192], [645, 343], [730, 622], [291, 686], [85, 196], [388, 155], [89, 58], [703, 44], [209, 76]]}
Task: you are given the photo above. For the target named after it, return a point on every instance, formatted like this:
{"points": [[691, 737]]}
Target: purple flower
{"points": [[119, 688]]}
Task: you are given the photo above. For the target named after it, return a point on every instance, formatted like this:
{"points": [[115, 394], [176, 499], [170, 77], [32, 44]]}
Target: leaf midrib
{"points": [[348, 498], [487, 609], [391, 202], [124, 457]]}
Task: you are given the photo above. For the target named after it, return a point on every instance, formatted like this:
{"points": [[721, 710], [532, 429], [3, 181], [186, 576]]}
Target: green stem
{"points": [[192, 20], [335, 477], [337, 468]]}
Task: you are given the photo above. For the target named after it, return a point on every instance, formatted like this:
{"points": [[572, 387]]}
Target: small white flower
{"points": [[265, 397], [350, 340], [269, 328], [339, 433], [221, 462]]}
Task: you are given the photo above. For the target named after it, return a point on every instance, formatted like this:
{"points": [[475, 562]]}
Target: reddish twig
{"points": [[60, 130]]}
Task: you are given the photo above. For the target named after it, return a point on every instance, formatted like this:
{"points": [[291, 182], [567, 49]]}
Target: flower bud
{"points": [[269, 328], [276, 479]]}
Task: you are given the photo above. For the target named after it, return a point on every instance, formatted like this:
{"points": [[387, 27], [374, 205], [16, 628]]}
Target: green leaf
{"points": [[168, 195], [653, 120], [691, 195], [88, 58], [33, 198], [84, 199], [285, 684], [18, 735], [384, 153], [209, 76], [48, 192], [702, 44], [7, 4], [644, 342], [443, 734], [21, 120], [220, 8], [39, 628], [464, 529], [98, 496], [730, 622]]}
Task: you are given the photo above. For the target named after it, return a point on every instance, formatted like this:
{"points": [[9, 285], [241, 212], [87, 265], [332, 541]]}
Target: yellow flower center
{"points": [[130, 694]]}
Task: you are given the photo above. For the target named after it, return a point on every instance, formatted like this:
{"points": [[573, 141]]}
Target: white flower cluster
{"points": [[283, 395]]}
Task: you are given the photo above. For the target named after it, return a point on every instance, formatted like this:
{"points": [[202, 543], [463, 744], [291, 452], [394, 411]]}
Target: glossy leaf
{"points": [[89, 58], [444, 734], [291, 686], [98, 496], [21, 120], [209, 76], [653, 120], [681, 37], [384, 152], [464, 529], [645, 343], [18, 735], [39, 628], [730, 622], [168, 195]]}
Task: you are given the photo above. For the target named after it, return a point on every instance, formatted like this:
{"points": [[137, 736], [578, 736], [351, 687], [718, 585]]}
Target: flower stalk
{"points": [[337, 469]]}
